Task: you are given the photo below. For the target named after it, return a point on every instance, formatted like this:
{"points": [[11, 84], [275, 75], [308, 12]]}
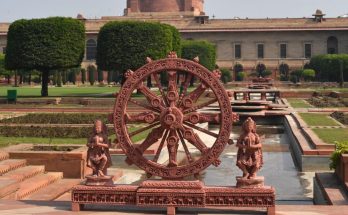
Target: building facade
{"points": [[272, 42]]}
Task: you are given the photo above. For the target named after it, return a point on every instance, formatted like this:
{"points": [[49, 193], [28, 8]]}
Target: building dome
{"points": [[153, 6]]}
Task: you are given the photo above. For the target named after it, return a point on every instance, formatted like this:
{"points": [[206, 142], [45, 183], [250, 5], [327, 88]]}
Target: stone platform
{"points": [[174, 194]]}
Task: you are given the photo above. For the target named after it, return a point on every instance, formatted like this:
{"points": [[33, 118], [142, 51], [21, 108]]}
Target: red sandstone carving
{"points": [[172, 117], [249, 156], [98, 157]]}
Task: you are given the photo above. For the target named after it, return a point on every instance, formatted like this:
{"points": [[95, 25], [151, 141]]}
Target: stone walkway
{"points": [[9, 207]]}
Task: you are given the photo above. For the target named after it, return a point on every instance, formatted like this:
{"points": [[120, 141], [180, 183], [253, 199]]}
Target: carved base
{"points": [[250, 183], [99, 180], [174, 194]]}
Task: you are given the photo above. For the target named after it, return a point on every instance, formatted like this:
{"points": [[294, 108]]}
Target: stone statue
{"points": [[249, 156], [98, 156]]}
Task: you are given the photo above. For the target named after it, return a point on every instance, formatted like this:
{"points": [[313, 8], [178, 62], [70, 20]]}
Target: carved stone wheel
{"points": [[171, 118]]}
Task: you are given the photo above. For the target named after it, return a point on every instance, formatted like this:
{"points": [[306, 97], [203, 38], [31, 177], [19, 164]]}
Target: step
{"points": [[23, 173], [54, 190], [8, 187], [11, 164], [37, 182], [4, 155]]}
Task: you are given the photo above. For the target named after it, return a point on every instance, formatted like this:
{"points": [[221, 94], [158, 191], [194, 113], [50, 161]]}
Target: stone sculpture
{"points": [[249, 155], [98, 156]]}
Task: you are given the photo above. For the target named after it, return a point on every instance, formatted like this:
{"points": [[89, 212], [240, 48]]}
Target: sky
{"points": [[11, 10]]}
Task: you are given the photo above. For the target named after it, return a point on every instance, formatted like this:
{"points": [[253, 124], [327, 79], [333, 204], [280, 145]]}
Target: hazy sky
{"points": [[11, 10]]}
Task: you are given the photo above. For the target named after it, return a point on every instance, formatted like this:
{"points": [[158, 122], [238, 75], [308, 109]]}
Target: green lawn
{"points": [[314, 119], [298, 103], [332, 135], [59, 91]]}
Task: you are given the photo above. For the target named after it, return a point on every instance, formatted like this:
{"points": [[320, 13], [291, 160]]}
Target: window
{"points": [[237, 51], [283, 50], [91, 49], [308, 50], [260, 51], [332, 45]]}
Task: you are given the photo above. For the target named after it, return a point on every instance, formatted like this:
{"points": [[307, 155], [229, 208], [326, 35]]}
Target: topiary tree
{"points": [[260, 68], [225, 75], [100, 76], [240, 76], [205, 50], [308, 74], [125, 45], [83, 75], [91, 71], [45, 44], [284, 69], [4, 72]]}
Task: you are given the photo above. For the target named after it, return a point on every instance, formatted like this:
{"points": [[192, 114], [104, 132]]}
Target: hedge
{"points": [[57, 118], [39, 131], [45, 44], [327, 67]]}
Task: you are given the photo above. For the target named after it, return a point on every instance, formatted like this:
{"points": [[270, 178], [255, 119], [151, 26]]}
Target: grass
{"points": [[6, 141], [313, 119], [59, 91], [332, 135], [298, 103]]}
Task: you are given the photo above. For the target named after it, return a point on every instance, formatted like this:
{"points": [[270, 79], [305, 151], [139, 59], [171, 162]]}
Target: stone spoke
{"points": [[200, 106], [187, 152], [202, 130], [172, 93], [185, 87], [159, 150], [154, 100], [144, 117], [144, 105], [194, 139], [192, 97], [196, 117], [159, 85], [143, 129]]}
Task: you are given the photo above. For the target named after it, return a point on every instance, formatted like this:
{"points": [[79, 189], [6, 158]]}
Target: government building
{"points": [[249, 42]]}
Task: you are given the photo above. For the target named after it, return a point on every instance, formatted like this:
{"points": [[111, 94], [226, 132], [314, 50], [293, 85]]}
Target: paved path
{"points": [[9, 207]]}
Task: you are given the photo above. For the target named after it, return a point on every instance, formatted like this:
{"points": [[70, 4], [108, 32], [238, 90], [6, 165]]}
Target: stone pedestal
{"points": [[250, 183], [99, 180]]}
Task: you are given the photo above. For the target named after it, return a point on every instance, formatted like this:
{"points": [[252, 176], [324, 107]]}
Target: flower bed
{"points": [[341, 117]]}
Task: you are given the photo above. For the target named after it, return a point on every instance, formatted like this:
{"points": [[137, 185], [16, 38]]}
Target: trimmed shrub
{"points": [[125, 45], [57, 118], [238, 68], [284, 69], [266, 73], [225, 75], [100, 76], [45, 44], [328, 67], [83, 76], [91, 71], [308, 74], [341, 148], [240, 76], [205, 50], [260, 68]]}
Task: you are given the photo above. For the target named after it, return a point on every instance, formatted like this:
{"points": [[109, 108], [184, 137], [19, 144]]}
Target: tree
{"points": [[225, 75], [205, 50], [260, 68], [125, 45], [4, 72], [100, 76], [45, 44], [83, 76], [284, 69], [91, 71]]}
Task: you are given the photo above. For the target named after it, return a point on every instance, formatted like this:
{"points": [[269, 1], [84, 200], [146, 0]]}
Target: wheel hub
{"points": [[171, 118]]}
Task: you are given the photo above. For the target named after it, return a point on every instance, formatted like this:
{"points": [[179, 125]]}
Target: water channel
{"points": [[279, 169]]}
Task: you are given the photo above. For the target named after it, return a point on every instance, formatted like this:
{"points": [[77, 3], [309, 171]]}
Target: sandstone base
{"points": [[99, 181], [250, 183]]}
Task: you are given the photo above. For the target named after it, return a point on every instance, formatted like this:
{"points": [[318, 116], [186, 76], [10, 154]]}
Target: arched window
{"points": [[91, 51], [332, 45]]}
